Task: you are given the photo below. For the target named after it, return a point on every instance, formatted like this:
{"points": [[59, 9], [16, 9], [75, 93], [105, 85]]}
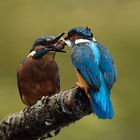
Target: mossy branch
{"points": [[48, 114]]}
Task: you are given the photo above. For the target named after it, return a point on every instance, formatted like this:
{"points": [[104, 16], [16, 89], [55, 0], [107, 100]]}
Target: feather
{"points": [[86, 59], [107, 65]]}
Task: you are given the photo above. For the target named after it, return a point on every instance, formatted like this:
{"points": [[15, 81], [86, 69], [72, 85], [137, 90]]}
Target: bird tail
{"points": [[101, 103]]}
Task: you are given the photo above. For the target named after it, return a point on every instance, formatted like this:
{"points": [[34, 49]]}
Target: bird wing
{"points": [[83, 60], [107, 66]]}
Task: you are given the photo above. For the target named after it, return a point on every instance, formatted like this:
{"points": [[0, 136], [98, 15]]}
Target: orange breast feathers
{"points": [[82, 83]]}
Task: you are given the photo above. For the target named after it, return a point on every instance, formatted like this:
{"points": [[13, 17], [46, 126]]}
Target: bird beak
{"points": [[56, 39], [56, 50], [57, 45]]}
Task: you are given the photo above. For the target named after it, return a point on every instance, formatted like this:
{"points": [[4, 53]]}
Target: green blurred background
{"points": [[115, 23]]}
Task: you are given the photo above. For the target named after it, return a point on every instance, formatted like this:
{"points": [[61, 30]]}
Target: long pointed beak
{"points": [[55, 40], [54, 43], [56, 50], [57, 46]]}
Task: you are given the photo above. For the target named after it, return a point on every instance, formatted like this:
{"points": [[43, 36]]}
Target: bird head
{"points": [[46, 44], [82, 33]]}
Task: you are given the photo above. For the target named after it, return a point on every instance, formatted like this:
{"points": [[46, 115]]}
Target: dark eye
{"points": [[43, 43]]}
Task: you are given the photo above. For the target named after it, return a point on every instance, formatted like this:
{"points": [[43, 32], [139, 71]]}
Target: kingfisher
{"points": [[38, 73], [96, 70]]}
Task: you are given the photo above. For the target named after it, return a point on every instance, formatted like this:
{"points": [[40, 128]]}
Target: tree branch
{"points": [[48, 114]]}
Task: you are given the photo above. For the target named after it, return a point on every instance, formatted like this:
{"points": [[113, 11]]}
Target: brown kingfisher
{"points": [[38, 73]]}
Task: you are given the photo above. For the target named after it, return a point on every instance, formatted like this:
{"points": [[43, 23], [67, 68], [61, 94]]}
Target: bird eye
{"points": [[44, 42]]}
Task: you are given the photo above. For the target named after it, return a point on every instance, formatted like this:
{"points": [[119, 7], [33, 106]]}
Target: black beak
{"points": [[56, 39], [55, 45], [56, 50]]}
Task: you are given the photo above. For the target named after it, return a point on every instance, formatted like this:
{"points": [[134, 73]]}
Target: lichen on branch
{"points": [[48, 114]]}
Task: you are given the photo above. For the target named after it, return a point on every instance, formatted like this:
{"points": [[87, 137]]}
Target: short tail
{"points": [[101, 103]]}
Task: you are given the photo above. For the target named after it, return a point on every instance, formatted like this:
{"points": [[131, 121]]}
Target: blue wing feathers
{"points": [[98, 75], [101, 102], [107, 65], [84, 61]]}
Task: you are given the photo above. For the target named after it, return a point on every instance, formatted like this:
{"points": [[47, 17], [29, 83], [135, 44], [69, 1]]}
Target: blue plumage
{"points": [[95, 65], [107, 65], [84, 61], [83, 33]]}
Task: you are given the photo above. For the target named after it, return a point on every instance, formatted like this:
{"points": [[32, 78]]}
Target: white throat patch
{"points": [[83, 40], [31, 54], [77, 41]]}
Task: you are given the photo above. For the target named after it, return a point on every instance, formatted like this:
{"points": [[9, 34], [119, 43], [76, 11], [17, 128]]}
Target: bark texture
{"points": [[48, 114]]}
